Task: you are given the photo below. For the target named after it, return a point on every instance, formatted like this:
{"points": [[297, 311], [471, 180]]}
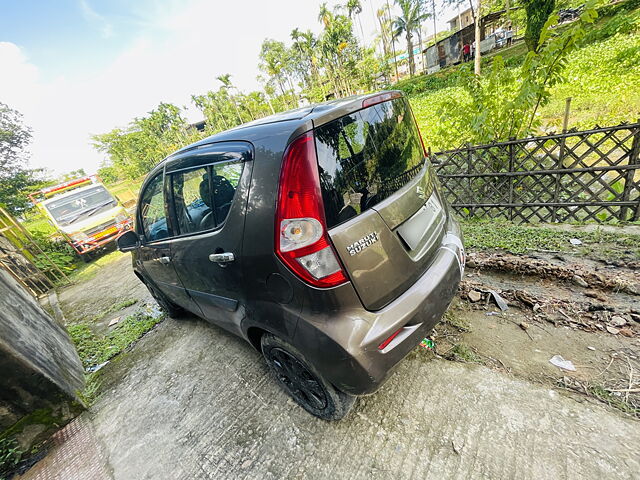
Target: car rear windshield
{"points": [[365, 157]]}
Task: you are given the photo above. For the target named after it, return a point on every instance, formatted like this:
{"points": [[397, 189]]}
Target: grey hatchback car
{"points": [[318, 235]]}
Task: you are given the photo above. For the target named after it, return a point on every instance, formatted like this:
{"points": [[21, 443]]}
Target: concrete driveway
{"points": [[192, 402]]}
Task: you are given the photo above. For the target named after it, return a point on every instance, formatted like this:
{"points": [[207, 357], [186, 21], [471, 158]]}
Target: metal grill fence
{"points": [[591, 175]]}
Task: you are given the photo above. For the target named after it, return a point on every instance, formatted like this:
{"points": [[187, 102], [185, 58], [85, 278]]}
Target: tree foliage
{"points": [[506, 101], [537, 15], [134, 150], [15, 176], [408, 23]]}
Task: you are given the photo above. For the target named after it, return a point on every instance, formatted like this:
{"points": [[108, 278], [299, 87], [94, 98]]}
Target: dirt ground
{"points": [[191, 401]]}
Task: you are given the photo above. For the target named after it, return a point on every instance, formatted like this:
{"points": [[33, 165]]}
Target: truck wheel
{"points": [[303, 382], [170, 308]]}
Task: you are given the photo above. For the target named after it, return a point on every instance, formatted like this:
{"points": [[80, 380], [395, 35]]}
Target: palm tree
{"points": [[325, 16], [227, 85], [408, 23], [355, 7]]}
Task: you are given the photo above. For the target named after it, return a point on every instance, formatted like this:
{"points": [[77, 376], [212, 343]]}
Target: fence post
{"points": [[634, 158], [511, 178], [556, 190], [469, 189]]}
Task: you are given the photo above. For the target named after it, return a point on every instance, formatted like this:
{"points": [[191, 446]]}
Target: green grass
{"points": [[95, 349], [10, 456], [86, 271], [602, 78], [463, 353], [519, 239]]}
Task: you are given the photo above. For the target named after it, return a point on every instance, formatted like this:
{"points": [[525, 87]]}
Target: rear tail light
{"points": [[302, 241]]}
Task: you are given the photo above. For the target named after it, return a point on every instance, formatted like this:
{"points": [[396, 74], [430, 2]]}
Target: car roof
{"points": [[318, 113]]}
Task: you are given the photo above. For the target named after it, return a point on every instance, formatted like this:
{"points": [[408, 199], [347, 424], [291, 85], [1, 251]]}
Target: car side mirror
{"points": [[128, 241]]}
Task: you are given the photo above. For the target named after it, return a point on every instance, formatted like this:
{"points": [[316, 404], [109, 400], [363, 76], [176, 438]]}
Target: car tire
{"points": [[170, 308], [302, 381]]}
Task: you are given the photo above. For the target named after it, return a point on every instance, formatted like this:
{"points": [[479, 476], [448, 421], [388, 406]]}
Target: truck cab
{"points": [[84, 212]]}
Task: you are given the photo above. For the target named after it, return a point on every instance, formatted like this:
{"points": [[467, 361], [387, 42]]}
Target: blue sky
{"points": [[80, 67]]}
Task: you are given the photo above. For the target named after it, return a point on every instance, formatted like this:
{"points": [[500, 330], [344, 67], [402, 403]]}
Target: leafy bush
{"points": [[10, 456], [58, 251]]}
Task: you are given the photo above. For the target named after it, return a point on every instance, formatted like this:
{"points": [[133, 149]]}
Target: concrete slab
{"points": [[195, 402]]}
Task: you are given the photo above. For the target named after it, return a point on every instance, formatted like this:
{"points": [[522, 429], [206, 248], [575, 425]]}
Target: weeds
{"points": [[463, 353], [521, 239], [10, 456], [95, 349], [456, 321]]}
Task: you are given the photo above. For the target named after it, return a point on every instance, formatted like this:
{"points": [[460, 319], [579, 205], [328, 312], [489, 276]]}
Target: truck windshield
{"points": [[80, 205]]}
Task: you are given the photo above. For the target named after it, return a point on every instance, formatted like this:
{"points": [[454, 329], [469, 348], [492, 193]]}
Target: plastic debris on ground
{"points": [[428, 344], [575, 241], [114, 321], [499, 300], [95, 368], [560, 362], [153, 310]]}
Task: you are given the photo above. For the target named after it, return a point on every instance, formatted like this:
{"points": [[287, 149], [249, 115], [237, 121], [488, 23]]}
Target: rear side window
{"points": [[365, 157]]}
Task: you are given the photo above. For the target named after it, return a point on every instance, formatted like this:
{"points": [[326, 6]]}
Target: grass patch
{"points": [[610, 399], [521, 239], [456, 321], [602, 78], [87, 271], [91, 389], [95, 349], [463, 353]]}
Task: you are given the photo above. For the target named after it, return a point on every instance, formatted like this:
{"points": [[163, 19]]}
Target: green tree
{"points": [[538, 12], [407, 24], [15, 177], [354, 8], [135, 150]]}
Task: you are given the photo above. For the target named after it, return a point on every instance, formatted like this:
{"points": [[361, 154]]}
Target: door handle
{"points": [[164, 260], [222, 258]]}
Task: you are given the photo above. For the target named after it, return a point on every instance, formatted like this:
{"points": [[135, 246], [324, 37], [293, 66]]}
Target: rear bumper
{"points": [[343, 344]]}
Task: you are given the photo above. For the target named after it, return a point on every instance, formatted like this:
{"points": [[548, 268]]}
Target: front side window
{"points": [[225, 178], [202, 197], [192, 200], [152, 211]]}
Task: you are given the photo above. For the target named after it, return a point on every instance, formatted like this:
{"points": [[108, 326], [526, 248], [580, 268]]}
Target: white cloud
{"points": [[106, 29], [179, 50]]}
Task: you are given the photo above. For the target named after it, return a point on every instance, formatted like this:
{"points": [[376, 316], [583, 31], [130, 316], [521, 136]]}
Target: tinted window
{"points": [[152, 211], [225, 178], [365, 157], [203, 196], [192, 200]]}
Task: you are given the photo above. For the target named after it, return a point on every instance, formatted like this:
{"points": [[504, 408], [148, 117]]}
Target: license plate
{"points": [[106, 232], [413, 230]]}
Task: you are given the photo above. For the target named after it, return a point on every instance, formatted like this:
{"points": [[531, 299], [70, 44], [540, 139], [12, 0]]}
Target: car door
{"points": [[154, 253], [208, 191]]}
